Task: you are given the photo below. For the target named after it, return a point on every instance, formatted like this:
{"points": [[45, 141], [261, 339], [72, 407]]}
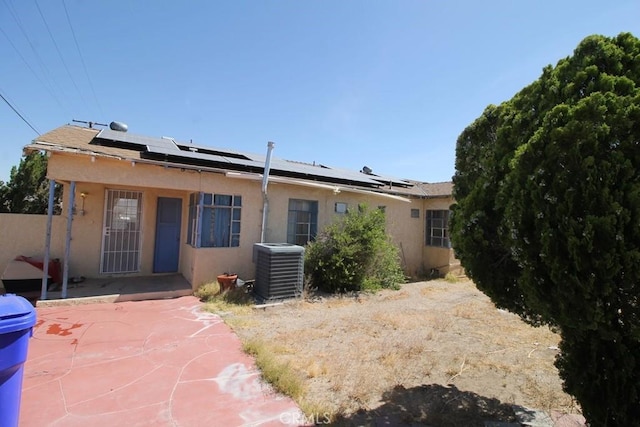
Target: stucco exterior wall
{"points": [[25, 235], [407, 233], [201, 265], [67, 167], [187, 255], [88, 222], [196, 265]]}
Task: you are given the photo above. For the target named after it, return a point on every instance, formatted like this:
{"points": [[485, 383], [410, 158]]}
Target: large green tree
{"points": [[28, 188], [547, 217]]}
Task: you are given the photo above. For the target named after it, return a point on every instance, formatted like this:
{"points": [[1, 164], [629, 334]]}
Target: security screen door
{"points": [[121, 232]]}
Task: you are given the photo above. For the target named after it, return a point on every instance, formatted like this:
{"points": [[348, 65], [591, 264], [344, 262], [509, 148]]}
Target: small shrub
{"points": [[354, 254], [207, 291], [450, 277]]}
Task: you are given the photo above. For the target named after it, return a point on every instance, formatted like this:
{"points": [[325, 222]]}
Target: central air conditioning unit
{"points": [[279, 270]]}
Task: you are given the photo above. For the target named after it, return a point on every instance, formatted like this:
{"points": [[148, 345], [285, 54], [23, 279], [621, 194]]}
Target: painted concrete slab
{"points": [[156, 363]]}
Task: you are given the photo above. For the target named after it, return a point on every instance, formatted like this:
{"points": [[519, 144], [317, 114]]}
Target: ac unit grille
{"points": [[279, 272]]}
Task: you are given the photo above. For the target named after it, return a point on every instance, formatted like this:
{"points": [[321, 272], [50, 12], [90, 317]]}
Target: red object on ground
{"points": [[54, 266], [145, 363]]}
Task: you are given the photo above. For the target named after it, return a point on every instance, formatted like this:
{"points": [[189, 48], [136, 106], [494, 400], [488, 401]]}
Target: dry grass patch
{"points": [[274, 371], [377, 353]]}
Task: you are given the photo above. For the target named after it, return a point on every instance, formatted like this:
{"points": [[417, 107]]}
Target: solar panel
{"points": [[201, 158], [197, 155], [137, 140]]}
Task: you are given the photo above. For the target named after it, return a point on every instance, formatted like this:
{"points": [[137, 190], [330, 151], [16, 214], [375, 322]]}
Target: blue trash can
{"points": [[17, 317]]}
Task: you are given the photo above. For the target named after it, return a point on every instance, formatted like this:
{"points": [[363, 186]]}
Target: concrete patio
{"points": [[115, 289], [144, 363]]}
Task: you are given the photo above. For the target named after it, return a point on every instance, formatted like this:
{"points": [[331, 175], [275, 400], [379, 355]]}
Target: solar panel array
{"points": [[196, 155]]}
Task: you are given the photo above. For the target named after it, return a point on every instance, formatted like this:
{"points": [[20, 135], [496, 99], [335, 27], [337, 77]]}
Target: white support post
{"points": [[47, 241], [67, 243]]}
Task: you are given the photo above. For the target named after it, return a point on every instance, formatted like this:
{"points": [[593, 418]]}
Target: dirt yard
{"points": [[432, 352]]}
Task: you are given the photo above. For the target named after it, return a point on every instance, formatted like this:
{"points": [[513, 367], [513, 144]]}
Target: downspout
{"points": [[67, 243], [47, 241], [265, 182]]}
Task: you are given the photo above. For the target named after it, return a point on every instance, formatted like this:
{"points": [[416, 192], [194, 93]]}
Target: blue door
{"points": [[167, 248]]}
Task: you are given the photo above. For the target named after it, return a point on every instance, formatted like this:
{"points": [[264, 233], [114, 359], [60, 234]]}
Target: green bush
{"points": [[354, 254], [547, 190]]}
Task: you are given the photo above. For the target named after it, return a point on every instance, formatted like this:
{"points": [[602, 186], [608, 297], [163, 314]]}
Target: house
{"points": [[144, 205]]}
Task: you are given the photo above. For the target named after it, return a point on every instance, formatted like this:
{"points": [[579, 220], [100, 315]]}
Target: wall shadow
{"points": [[432, 405]]}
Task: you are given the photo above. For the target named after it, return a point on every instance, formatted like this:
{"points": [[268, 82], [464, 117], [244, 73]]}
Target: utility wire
{"points": [[18, 113], [47, 88], [45, 71], [60, 54], [81, 57]]}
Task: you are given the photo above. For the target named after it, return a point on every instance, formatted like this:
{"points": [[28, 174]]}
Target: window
{"points": [[214, 220], [438, 229], [302, 224], [341, 207], [415, 213]]}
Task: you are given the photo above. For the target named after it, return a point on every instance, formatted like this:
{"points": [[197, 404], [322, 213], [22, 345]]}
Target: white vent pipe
{"points": [[265, 182]]}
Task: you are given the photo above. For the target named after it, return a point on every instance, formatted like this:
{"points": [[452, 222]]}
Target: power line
{"points": [[43, 66], [47, 88], [81, 57], [18, 113], [60, 53]]}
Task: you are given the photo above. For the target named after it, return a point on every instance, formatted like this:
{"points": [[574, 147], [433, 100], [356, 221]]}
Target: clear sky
{"points": [[386, 84]]}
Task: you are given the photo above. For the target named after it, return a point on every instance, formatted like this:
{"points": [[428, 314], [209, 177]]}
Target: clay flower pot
{"points": [[227, 281]]}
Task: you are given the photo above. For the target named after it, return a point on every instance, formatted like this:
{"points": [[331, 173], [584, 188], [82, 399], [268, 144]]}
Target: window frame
{"points": [[298, 208], [206, 210], [437, 228], [341, 207]]}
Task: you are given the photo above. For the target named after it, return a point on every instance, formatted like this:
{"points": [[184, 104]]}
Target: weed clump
{"points": [[280, 375], [207, 291], [235, 300], [450, 277]]}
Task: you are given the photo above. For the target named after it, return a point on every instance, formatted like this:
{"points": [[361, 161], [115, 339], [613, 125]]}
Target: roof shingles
{"points": [[79, 139]]}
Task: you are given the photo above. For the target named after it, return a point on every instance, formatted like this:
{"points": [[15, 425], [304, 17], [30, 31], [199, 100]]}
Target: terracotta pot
{"points": [[227, 281]]}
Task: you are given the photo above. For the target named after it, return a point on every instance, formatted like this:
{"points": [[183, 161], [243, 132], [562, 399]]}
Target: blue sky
{"points": [[387, 84]]}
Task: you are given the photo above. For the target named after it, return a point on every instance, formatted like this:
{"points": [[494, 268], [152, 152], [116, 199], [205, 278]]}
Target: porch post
{"points": [[47, 240], [67, 243]]}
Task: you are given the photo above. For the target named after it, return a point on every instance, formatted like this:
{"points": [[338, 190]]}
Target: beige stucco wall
{"points": [[26, 234], [187, 254], [87, 225], [407, 233], [202, 265]]}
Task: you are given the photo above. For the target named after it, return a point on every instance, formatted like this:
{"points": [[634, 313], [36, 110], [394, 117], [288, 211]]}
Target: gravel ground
{"points": [[432, 353]]}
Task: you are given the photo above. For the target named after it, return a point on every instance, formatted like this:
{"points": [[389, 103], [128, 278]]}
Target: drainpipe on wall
{"points": [[265, 181]]}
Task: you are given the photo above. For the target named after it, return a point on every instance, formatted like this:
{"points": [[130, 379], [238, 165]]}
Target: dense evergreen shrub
{"points": [[547, 217], [354, 253]]}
